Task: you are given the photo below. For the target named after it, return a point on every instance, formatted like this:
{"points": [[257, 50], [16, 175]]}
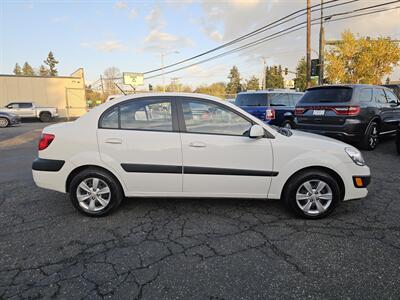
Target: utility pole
{"points": [[321, 47], [102, 86], [264, 73], [308, 75], [162, 66]]}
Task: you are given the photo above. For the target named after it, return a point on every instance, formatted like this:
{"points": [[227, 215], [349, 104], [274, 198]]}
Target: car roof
{"points": [[272, 91], [358, 85]]}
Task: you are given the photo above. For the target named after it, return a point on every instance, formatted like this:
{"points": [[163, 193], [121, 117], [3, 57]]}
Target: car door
{"points": [[385, 109], [219, 158], [395, 113], [26, 110], [139, 139]]}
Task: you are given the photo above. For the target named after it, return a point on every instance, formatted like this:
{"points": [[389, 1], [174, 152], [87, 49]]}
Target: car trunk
{"points": [[326, 105]]}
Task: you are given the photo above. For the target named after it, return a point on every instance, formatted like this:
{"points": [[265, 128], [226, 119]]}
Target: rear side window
{"points": [[279, 99], [145, 115], [327, 95], [25, 105], [110, 118], [379, 96], [365, 95], [256, 99]]}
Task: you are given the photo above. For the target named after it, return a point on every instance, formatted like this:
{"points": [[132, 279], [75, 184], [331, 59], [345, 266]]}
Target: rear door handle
{"points": [[113, 141], [197, 145]]}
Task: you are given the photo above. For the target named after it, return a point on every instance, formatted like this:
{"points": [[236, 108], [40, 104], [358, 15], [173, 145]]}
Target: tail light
{"points": [[347, 110], [45, 140], [270, 114], [298, 111]]}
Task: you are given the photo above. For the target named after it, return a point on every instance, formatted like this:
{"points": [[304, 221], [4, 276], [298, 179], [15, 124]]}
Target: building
{"points": [[66, 93]]}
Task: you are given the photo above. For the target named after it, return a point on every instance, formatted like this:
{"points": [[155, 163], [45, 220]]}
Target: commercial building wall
{"points": [[67, 94]]}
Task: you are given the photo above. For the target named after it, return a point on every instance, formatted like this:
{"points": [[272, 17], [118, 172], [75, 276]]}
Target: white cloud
{"points": [[121, 4], [133, 13], [154, 19]]}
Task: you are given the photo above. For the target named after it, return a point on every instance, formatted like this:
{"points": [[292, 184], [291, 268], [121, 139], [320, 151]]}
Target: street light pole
{"points": [[308, 75], [321, 47], [162, 66]]}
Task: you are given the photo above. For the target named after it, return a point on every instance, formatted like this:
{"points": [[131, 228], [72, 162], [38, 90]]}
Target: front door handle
{"points": [[197, 145], [113, 141]]}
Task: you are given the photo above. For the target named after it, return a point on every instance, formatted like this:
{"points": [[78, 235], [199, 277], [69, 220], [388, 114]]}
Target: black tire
{"points": [[314, 176], [45, 117], [116, 193], [288, 124], [371, 138], [4, 122]]}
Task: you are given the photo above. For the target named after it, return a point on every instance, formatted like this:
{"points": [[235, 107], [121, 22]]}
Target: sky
{"points": [[131, 35]]}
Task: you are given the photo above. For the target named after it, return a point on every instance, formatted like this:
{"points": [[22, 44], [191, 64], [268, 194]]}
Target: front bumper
{"points": [[15, 121], [349, 172]]}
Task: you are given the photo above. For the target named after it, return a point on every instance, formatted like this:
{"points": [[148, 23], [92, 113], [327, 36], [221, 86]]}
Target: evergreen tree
{"points": [[253, 83], [43, 71], [27, 70], [17, 69], [274, 78], [234, 86], [51, 62]]}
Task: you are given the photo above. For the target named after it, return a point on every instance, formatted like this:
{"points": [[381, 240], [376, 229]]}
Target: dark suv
{"points": [[355, 113], [275, 107]]}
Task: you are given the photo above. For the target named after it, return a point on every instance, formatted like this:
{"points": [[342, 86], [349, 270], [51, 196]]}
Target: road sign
{"points": [[133, 79]]}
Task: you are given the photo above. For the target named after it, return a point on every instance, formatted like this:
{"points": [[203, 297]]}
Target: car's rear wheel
{"points": [[95, 193], [288, 124], [45, 117], [4, 122], [312, 194], [371, 138]]}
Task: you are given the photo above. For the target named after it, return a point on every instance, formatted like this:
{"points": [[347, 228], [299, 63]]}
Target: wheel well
{"points": [[44, 112], [81, 168], [324, 169]]}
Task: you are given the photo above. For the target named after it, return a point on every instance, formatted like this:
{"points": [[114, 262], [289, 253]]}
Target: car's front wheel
{"points": [[95, 193], [4, 122], [312, 194]]}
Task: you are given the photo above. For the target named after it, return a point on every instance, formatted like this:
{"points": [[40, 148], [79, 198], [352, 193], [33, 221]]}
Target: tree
{"points": [[252, 84], [300, 82], [234, 86], [111, 75], [27, 70], [361, 60], [43, 71], [215, 89], [274, 77], [17, 69], [51, 62]]}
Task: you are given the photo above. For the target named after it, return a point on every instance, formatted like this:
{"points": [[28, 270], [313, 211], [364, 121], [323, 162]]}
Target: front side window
{"points": [[379, 96], [391, 97], [146, 115], [12, 106], [209, 118]]}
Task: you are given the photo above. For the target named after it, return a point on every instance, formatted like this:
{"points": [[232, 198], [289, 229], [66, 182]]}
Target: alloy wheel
{"points": [[314, 197], [3, 122], [93, 194], [373, 137]]}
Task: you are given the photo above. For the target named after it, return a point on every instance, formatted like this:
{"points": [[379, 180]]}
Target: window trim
{"points": [[155, 99], [182, 124]]}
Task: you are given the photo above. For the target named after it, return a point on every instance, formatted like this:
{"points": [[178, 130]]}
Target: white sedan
{"points": [[192, 145]]}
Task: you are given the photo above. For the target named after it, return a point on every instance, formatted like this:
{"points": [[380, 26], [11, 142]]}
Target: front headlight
{"points": [[355, 155]]}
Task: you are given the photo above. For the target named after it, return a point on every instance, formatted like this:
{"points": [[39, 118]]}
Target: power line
{"points": [[264, 28], [282, 33]]}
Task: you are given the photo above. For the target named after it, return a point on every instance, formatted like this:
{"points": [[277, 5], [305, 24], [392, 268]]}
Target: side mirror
{"points": [[256, 131]]}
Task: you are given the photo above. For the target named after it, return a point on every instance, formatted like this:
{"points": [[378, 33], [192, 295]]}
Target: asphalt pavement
{"points": [[186, 248]]}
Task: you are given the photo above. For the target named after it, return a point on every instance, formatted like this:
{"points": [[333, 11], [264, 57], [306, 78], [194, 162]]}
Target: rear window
{"points": [[258, 99], [331, 94]]}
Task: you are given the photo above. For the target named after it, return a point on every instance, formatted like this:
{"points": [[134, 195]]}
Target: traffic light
{"points": [[286, 71], [315, 67], [150, 87]]}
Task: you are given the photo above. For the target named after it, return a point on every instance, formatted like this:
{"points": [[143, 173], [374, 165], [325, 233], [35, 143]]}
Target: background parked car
{"points": [[398, 139], [275, 107], [357, 113], [30, 110], [8, 119]]}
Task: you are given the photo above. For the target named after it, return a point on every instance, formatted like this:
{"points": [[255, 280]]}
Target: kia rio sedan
{"points": [[192, 145]]}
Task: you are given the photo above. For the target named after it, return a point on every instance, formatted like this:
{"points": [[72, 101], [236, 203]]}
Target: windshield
{"points": [[328, 94]]}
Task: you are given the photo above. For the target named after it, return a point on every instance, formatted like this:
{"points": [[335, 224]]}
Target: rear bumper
{"points": [[51, 174], [351, 130]]}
